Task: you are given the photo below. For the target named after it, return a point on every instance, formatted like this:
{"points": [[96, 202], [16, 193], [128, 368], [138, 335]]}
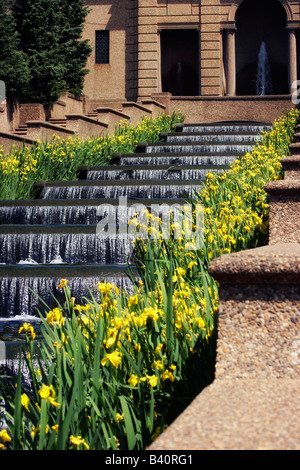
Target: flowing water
{"points": [[263, 79], [57, 235]]}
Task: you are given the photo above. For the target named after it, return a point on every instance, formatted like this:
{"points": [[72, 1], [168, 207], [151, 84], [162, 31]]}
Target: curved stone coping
{"points": [[228, 142], [133, 104], [81, 117], [290, 161], [18, 138], [295, 145], [103, 110], [47, 125], [279, 264], [261, 414], [222, 123], [150, 102], [230, 135], [284, 187]]}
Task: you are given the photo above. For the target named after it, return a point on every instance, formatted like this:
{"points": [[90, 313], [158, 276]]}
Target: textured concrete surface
{"points": [[238, 415], [253, 403], [284, 212], [291, 167]]}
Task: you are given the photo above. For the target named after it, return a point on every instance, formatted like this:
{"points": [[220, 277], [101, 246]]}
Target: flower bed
{"points": [[59, 159]]}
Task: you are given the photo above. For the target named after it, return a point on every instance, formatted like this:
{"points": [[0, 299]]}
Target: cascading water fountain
{"points": [[263, 78], [55, 235]]}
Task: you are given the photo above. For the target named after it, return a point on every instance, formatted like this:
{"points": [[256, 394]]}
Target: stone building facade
{"points": [[190, 48]]}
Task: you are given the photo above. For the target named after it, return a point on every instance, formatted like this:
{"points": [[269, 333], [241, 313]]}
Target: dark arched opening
{"points": [[258, 22], [179, 62]]}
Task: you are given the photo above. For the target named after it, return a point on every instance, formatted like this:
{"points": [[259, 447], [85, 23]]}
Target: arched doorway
{"points": [[261, 22], [179, 61]]}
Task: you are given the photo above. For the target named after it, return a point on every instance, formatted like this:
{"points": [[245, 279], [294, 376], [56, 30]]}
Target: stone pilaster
{"points": [[148, 49], [210, 48]]}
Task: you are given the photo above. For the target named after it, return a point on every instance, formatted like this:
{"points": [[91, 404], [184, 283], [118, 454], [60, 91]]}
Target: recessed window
{"points": [[102, 47]]}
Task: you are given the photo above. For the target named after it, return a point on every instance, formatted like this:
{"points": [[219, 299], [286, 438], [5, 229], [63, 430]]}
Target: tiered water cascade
{"points": [[55, 235]]}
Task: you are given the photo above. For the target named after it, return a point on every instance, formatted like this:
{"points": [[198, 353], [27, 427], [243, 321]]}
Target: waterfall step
{"points": [[113, 189], [65, 244], [209, 137], [194, 147], [225, 126], [164, 172], [76, 211], [24, 288], [164, 158], [55, 236]]}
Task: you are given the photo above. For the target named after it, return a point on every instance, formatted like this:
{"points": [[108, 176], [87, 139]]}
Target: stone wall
{"points": [[135, 28]]}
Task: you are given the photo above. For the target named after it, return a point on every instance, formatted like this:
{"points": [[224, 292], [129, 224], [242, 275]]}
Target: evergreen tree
{"points": [[14, 69], [76, 52], [50, 33]]}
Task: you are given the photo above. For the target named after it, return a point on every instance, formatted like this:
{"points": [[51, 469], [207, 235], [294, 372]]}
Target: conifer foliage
{"points": [[14, 67], [49, 36]]}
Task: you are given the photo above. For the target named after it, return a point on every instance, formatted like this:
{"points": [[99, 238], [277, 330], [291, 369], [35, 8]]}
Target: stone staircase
{"points": [[56, 235]]}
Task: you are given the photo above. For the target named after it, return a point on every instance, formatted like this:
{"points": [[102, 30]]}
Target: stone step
{"points": [[77, 211], [59, 122], [131, 172], [21, 130], [284, 212], [66, 244], [295, 148], [90, 189], [20, 285], [196, 147], [226, 126], [211, 137], [170, 158]]}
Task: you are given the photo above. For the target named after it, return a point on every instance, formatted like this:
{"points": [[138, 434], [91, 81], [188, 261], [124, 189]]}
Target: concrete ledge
{"points": [[45, 130], [278, 264], [85, 126], [253, 402], [136, 111], [295, 148], [238, 415], [8, 139], [284, 211], [67, 104], [155, 107], [111, 117], [235, 108], [291, 167]]}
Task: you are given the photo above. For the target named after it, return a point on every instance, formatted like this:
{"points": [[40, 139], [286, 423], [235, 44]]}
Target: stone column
{"points": [[230, 64], [292, 59]]}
